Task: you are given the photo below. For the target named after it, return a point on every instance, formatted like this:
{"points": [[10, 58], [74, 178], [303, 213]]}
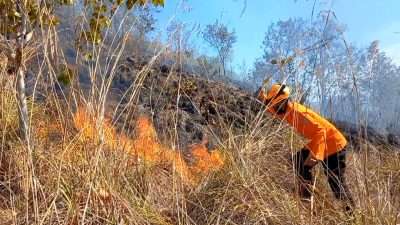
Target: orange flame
{"points": [[85, 123], [44, 129], [205, 161], [147, 148]]}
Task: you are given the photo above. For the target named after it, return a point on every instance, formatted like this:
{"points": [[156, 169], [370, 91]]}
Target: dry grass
{"points": [[73, 180]]}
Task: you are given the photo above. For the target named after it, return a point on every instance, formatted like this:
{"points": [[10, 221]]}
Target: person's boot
{"points": [[349, 208], [304, 192]]}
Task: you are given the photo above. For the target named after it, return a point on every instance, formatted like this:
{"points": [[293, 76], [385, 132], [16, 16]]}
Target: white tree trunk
{"points": [[21, 40], [22, 106]]}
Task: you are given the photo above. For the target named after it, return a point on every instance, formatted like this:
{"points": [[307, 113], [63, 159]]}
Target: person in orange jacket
{"points": [[326, 143]]}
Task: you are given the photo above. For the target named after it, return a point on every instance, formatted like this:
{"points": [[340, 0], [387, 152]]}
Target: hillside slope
{"points": [[200, 108], [102, 175]]}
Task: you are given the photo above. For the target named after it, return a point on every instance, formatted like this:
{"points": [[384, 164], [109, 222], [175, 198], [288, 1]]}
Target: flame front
{"points": [[85, 123], [147, 148], [205, 161]]}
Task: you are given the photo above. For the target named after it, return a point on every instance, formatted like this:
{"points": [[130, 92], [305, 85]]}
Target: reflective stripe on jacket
{"points": [[324, 138]]}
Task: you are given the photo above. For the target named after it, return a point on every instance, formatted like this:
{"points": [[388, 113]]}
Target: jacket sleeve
{"points": [[317, 143], [261, 94], [272, 111]]}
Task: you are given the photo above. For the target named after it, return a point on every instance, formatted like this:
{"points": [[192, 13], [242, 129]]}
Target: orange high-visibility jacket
{"points": [[324, 138]]}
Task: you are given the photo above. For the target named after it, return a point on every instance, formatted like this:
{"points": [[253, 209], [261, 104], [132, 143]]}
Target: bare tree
{"points": [[221, 39]]}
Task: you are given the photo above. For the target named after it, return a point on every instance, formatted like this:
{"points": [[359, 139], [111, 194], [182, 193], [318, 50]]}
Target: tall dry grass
{"points": [[73, 180], [76, 181]]}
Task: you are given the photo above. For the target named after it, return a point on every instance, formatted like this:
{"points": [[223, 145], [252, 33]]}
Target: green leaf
{"points": [[64, 79], [87, 56], [16, 14], [33, 12], [66, 75], [55, 21], [130, 3], [103, 8], [158, 2], [106, 21], [67, 2], [12, 29], [93, 23], [96, 38]]}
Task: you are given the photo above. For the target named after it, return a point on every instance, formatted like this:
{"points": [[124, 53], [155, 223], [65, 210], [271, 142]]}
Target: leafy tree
{"points": [[379, 82], [349, 83], [179, 38], [207, 63], [221, 39], [304, 55], [22, 20], [284, 40], [143, 24]]}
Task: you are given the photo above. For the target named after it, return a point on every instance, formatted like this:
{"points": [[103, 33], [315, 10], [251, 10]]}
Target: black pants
{"points": [[334, 168]]}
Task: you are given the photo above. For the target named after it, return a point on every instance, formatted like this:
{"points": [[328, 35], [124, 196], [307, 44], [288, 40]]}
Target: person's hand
{"points": [[310, 161], [258, 93]]}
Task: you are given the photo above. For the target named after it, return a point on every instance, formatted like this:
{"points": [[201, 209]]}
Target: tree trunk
{"points": [[223, 67], [21, 41], [22, 106]]}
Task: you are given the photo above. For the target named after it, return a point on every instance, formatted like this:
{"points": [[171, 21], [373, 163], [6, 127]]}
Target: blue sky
{"points": [[366, 20]]}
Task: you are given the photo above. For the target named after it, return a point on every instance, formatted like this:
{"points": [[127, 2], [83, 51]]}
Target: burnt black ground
{"points": [[187, 108]]}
